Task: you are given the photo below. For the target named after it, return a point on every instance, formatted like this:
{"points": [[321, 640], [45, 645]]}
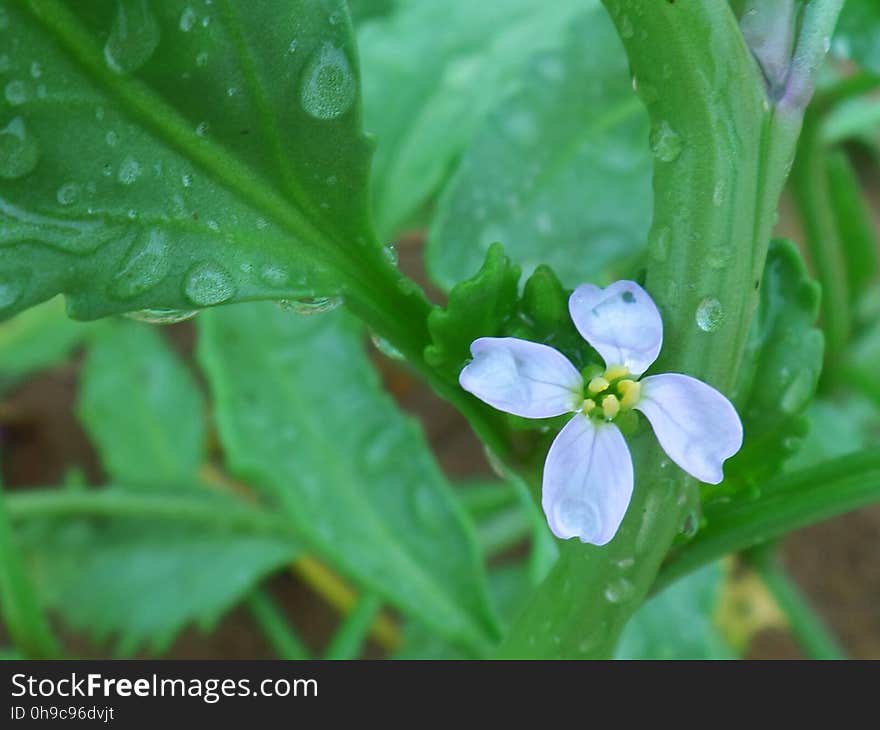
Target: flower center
{"points": [[608, 394]]}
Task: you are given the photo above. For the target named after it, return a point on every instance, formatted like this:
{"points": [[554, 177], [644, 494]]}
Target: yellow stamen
{"points": [[597, 385], [610, 406], [631, 391], [588, 406], [617, 371]]}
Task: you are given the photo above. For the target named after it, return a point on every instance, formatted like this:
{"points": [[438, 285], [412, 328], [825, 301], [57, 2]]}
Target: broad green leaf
{"points": [[141, 582], [560, 172], [177, 155], [303, 419], [141, 407], [679, 623], [858, 33], [780, 368], [432, 71], [37, 339], [477, 307]]}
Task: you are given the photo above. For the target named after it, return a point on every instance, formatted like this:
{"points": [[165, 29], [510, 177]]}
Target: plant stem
{"points": [[349, 639], [721, 157], [806, 626], [786, 503], [20, 607], [275, 626]]}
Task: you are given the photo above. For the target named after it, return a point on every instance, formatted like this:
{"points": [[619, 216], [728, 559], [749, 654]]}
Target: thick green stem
{"points": [[721, 156], [275, 627], [349, 640], [786, 503]]}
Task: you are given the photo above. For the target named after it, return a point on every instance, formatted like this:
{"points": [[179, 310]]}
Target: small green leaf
{"points": [[432, 71], [780, 368], [553, 168], [857, 32], [37, 339], [142, 582], [141, 407], [171, 155], [478, 307], [303, 419], [679, 622]]}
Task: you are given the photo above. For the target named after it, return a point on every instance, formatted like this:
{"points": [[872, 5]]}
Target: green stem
{"points": [[275, 627], [786, 503], [806, 626], [22, 613], [721, 155], [349, 640]]}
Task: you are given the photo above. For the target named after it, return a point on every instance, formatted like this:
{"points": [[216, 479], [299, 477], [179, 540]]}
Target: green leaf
{"points": [[857, 33], [679, 623], [432, 71], [141, 407], [171, 155], [37, 339], [553, 167], [302, 418], [478, 307], [780, 368], [143, 582]]}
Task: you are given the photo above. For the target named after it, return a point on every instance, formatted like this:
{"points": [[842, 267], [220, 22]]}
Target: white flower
{"points": [[588, 475]]}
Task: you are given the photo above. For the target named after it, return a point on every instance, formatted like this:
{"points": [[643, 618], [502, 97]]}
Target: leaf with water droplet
{"points": [[551, 169], [129, 190], [780, 369], [335, 455]]}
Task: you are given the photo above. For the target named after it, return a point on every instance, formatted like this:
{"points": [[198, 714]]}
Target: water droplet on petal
{"points": [[208, 283], [328, 84], [162, 316], [709, 314], [666, 143], [19, 151], [310, 305], [133, 37], [146, 265]]}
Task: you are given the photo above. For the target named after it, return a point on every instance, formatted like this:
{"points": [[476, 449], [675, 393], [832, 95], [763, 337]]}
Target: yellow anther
{"points": [[610, 406], [597, 385], [630, 391], [588, 406], [615, 372]]}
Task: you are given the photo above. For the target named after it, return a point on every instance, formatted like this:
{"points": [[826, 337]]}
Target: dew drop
{"points": [[274, 275], [133, 37], [666, 143], [661, 243], [162, 316], [385, 347], [709, 314], [146, 265], [208, 283], [291, 47], [16, 93], [187, 19], [391, 255], [619, 590], [11, 289], [187, 180], [129, 171], [719, 256], [19, 151], [202, 129], [202, 59], [310, 305], [36, 70], [68, 193], [111, 138], [328, 85]]}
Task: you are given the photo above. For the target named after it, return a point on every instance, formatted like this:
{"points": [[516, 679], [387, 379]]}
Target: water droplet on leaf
{"points": [[666, 143], [310, 305], [19, 151], [68, 193], [328, 85], [619, 590], [161, 316], [147, 264], [16, 93], [208, 283], [129, 171], [385, 347], [709, 314], [133, 37]]}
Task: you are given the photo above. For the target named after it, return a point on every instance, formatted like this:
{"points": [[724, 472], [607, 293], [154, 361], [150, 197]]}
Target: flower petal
{"points": [[588, 481], [523, 378], [621, 322], [695, 424]]}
